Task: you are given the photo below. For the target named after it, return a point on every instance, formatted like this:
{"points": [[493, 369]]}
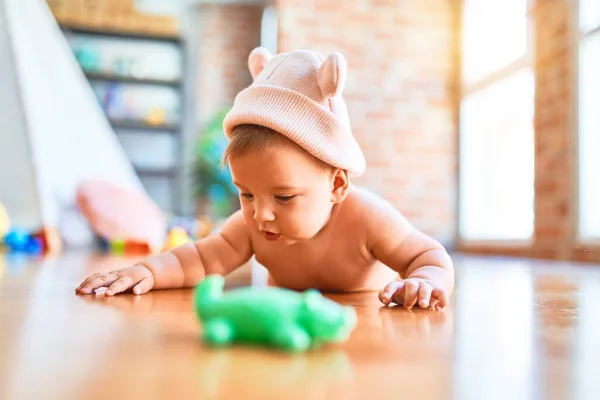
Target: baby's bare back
{"points": [[337, 259]]}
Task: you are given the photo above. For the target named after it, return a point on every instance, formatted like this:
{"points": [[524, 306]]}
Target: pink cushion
{"points": [[117, 213]]}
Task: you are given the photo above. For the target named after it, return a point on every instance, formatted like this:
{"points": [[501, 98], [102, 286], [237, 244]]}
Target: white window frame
{"points": [[524, 62], [578, 37]]}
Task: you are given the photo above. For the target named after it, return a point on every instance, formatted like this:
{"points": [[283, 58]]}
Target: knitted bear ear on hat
{"points": [[257, 60], [331, 76]]}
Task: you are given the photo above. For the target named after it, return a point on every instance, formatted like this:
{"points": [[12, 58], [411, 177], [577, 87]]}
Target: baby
{"points": [[292, 154]]}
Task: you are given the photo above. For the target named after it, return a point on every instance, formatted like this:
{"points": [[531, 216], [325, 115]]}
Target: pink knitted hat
{"points": [[298, 94]]}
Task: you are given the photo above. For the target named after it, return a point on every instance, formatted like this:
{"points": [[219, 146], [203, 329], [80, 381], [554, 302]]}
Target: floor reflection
{"points": [[415, 323], [494, 334], [586, 354], [250, 372]]}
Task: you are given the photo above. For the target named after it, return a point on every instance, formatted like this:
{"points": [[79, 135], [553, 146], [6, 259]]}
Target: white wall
{"points": [[17, 184], [54, 133]]}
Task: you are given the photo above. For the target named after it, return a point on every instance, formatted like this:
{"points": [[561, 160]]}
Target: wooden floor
{"points": [[516, 329]]}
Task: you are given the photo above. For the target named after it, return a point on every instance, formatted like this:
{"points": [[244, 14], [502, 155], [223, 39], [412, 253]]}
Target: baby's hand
{"points": [[137, 277], [407, 291]]}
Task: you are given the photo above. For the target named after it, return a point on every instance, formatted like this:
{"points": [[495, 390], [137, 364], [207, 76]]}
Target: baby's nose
{"points": [[263, 214]]}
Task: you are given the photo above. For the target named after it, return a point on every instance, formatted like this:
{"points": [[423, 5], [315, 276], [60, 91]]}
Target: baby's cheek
{"points": [[293, 220], [248, 213], [309, 222], [292, 223]]}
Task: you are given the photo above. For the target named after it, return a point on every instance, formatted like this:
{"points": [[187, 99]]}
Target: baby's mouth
{"points": [[271, 236]]}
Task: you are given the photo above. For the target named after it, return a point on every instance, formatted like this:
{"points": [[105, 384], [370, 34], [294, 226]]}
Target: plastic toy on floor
{"points": [[43, 241], [274, 317], [176, 237], [17, 240]]}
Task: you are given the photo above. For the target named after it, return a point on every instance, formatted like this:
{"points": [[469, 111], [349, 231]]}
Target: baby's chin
{"points": [[287, 240], [290, 240]]}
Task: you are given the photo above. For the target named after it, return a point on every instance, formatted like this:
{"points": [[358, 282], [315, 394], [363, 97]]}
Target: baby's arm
{"points": [[181, 267], [422, 262]]}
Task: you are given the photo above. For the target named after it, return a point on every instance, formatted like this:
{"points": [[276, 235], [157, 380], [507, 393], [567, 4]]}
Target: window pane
{"points": [[589, 138], [589, 14], [488, 44], [497, 160]]}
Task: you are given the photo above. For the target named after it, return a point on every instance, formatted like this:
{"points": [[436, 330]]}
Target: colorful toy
{"points": [[275, 317], [117, 246], [50, 241], [16, 239], [140, 248], [19, 240], [175, 238], [87, 57], [156, 116], [186, 223], [120, 247]]}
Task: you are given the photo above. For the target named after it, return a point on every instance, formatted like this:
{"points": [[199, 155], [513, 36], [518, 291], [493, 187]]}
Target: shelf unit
{"points": [[128, 79], [165, 184], [138, 125]]}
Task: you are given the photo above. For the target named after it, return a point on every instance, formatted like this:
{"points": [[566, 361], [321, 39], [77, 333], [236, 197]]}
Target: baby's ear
{"points": [[257, 60], [332, 75], [340, 185]]}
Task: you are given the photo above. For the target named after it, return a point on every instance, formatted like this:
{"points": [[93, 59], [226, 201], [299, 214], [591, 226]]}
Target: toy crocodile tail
{"points": [[208, 291]]}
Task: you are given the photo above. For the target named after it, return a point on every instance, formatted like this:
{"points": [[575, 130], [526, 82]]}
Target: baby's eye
{"points": [[284, 199], [247, 196]]}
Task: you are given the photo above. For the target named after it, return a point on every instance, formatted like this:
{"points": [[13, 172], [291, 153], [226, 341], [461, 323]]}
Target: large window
{"points": [[589, 119], [496, 122]]}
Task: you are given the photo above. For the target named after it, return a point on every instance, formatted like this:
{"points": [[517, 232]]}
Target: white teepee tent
{"points": [[53, 133]]}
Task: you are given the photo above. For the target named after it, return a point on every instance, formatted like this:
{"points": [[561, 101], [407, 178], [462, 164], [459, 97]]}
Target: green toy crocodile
{"points": [[276, 317]]}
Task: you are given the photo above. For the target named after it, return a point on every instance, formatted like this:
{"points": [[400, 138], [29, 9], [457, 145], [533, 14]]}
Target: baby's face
{"points": [[285, 194]]}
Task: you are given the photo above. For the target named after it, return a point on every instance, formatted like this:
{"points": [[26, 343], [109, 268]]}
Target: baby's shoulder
{"points": [[373, 214], [365, 204]]}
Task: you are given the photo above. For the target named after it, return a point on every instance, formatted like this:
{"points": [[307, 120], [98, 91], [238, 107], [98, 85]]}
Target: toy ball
{"points": [[17, 239], [275, 317], [4, 221], [34, 246]]}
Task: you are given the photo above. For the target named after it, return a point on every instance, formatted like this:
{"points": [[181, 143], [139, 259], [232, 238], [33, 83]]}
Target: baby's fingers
{"points": [[120, 285], [391, 289], [96, 281], [442, 298], [411, 292], [424, 295], [143, 287]]}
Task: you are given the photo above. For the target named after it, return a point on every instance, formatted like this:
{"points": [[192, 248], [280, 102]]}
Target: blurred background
{"points": [[478, 118]]}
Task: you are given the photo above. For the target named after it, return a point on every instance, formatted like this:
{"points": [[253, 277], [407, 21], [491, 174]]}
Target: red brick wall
{"points": [[228, 34], [554, 211], [400, 94], [555, 171]]}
